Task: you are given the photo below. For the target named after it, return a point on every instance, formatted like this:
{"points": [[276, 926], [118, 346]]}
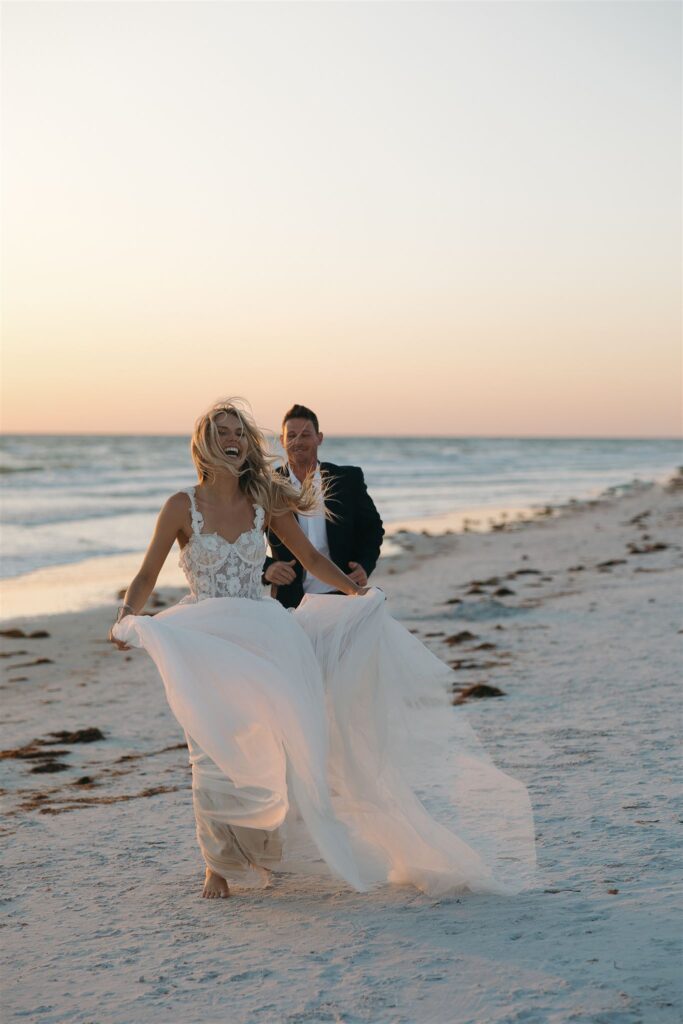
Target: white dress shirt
{"points": [[315, 528]]}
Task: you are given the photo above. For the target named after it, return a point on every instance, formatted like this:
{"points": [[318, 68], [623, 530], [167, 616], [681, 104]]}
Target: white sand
{"points": [[103, 917]]}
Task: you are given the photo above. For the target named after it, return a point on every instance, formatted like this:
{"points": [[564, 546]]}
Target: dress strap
{"points": [[259, 516], [197, 517]]}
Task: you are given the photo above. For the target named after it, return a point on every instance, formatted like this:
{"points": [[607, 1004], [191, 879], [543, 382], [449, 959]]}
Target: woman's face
{"points": [[231, 437]]}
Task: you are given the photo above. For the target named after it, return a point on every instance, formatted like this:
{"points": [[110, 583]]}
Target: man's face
{"points": [[300, 440]]}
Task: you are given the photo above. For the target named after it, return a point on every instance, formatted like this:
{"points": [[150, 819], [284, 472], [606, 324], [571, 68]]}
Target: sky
{"points": [[417, 218]]}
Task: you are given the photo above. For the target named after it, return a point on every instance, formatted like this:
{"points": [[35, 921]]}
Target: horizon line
{"points": [[378, 437]]}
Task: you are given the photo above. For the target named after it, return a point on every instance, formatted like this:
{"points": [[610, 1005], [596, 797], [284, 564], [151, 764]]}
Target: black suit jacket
{"points": [[354, 535]]}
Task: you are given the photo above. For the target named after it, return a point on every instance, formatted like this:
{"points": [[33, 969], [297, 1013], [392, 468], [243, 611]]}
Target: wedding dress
{"points": [[323, 739]]}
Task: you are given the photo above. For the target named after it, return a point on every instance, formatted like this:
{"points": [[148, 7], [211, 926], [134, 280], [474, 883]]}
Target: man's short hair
{"points": [[301, 412]]}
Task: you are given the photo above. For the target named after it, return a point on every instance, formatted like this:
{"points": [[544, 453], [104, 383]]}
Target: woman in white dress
{"points": [[309, 732]]}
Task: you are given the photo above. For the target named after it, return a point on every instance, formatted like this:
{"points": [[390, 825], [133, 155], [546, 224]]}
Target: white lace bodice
{"points": [[216, 568]]}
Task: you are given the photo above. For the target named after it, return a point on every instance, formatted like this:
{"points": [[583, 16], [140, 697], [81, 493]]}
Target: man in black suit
{"points": [[351, 539]]}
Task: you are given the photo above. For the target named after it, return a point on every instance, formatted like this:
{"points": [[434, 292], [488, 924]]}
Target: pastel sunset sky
{"points": [[419, 218]]}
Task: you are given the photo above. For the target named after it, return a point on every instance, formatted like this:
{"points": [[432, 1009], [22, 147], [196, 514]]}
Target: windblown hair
{"points": [[273, 491]]}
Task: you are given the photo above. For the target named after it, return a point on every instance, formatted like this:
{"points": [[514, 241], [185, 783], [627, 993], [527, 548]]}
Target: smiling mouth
{"points": [[232, 451]]}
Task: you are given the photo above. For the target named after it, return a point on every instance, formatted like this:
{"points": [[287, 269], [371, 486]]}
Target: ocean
{"points": [[68, 498]]}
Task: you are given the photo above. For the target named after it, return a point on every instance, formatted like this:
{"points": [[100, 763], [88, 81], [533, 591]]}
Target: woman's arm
{"points": [[292, 536], [169, 523]]}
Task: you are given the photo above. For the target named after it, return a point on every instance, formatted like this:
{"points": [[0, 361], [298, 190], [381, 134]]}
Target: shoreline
{"points": [[78, 586], [94, 582]]}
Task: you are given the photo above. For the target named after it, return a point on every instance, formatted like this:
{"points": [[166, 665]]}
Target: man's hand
{"points": [[280, 573], [358, 574]]}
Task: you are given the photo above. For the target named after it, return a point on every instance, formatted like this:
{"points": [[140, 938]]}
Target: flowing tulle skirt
{"points": [[333, 730]]}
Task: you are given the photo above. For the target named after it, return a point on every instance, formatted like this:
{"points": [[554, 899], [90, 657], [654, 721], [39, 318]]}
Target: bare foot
{"points": [[215, 887]]}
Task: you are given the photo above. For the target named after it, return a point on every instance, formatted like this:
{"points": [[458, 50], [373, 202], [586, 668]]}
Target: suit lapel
{"points": [[331, 484]]}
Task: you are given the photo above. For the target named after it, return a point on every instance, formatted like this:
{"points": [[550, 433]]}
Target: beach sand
{"points": [[573, 615]]}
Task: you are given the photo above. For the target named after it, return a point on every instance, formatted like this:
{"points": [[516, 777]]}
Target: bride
{"points": [[312, 734]]}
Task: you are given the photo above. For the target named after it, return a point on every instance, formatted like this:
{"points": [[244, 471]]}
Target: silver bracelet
{"points": [[124, 608]]}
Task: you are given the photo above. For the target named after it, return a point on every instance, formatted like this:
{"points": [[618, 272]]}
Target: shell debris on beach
{"points": [[570, 620]]}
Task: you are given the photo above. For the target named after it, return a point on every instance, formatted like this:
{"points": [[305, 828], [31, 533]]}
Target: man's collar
{"points": [[295, 477]]}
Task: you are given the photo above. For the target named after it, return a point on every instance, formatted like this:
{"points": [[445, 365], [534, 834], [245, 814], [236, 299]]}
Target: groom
{"points": [[351, 539]]}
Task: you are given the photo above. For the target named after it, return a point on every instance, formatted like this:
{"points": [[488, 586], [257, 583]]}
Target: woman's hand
{"points": [[358, 574], [111, 638], [119, 643], [172, 521]]}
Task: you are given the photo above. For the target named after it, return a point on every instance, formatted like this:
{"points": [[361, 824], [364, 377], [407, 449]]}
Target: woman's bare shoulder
{"points": [[176, 507]]}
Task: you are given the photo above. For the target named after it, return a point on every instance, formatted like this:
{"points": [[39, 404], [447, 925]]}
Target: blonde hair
{"points": [[273, 491]]}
